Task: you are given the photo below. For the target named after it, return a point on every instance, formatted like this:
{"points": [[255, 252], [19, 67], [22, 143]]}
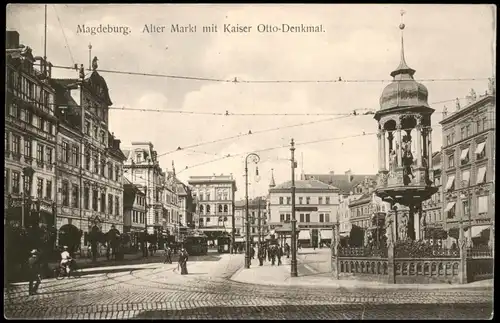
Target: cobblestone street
{"points": [[156, 290]]}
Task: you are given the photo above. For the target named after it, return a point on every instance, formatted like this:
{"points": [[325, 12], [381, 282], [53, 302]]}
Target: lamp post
{"points": [[255, 159], [259, 221], [293, 270]]}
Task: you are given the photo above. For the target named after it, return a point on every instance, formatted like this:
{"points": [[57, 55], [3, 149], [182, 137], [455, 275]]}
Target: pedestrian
{"points": [[269, 252], [287, 250], [168, 255], [279, 254], [34, 272], [252, 252], [183, 258], [272, 251], [261, 255]]}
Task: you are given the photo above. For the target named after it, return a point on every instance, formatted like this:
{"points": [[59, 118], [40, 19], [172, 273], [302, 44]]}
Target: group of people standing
{"points": [[272, 252]]}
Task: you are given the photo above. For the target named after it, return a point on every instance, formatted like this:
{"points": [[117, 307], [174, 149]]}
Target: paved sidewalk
{"points": [[280, 276]]}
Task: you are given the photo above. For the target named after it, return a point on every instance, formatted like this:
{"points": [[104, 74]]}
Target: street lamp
{"points": [[255, 159], [467, 195], [27, 172], [293, 270]]}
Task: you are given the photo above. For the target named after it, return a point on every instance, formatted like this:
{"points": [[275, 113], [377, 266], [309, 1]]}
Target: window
{"points": [[281, 199], [308, 217], [288, 200], [95, 132], [87, 128], [321, 217], [481, 175], [226, 208], [467, 131], [201, 209], [485, 123], [466, 178], [103, 202], [110, 170], [207, 220], [94, 199], [288, 218], [48, 155], [282, 218], [462, 133], [464, 156], [42, 124], [103, 167], [117, 205], [220, 208], [86, 197], [208, 209], [75, 196], [480, 151], [450, 210], [157, 217], [465, 207], [16, 144], [301, 217], [320, 200], [65, 193], [48, 190], [300, 200], [208, 196], [103, 137], [16, 176], [96, 163], [7, 142], [253, 230], [39, 188], [327, 200], [65, 152], [308, 200], [451, 161], [117, 173], [39, 153], [27, 147], [224, 196], [327, 217], [482, 204], [138, 157], [110, 203], [6, 180], [75, 155]]}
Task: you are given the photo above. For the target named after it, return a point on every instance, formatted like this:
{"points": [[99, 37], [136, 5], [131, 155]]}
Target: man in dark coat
{"points": [[183, 258], [279, 254], [287, 250], [34, 272], [168, 255], [272, 253], [261, 254]]}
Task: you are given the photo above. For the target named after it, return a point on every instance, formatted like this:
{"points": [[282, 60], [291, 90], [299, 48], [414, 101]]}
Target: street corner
{"points": [[266, 274]]}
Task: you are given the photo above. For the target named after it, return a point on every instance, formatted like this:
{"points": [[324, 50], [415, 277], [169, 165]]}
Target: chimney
{"points": [[349, 175], [12, 40]]}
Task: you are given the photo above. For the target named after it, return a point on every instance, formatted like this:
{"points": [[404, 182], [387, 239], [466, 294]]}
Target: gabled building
{"points": [[89, 157], [347, 183], [258, 215]]}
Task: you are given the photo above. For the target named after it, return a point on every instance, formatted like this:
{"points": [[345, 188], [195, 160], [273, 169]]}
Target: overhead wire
{"points": [[64, 35], [238, 80]]}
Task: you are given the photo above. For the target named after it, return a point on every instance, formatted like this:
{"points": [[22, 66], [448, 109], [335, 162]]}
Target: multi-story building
{"points": [[186, 205], [432, 210], [134, 211], [172, 205], [30, 138], [215, 197], [142, 168], [89, 158], [257, 215], [468, 166], [347, 183], [344, 215], [316, 208]]}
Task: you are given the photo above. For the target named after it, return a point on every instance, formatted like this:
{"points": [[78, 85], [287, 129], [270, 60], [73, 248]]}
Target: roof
{"points": [[126, 153], [251, 203], [341, 181], [306, 184]]}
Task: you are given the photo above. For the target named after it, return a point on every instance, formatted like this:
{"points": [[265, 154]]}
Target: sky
{"points": [[359, 42]]}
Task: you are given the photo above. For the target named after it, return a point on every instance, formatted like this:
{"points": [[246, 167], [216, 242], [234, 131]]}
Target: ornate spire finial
{"points": [[272, 183], [90, 56], [403, 67]]}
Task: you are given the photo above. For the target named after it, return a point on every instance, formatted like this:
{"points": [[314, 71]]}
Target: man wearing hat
{"points": [[183, 258], [65, 259], [34, 272]]}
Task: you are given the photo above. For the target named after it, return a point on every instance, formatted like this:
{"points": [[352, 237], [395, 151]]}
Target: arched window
{"points": [[220, 208], [201, 209], [208, 209], [225, 208]]}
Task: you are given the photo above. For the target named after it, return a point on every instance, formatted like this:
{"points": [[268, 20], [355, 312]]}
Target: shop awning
{"points": [[477, 230], [464, 153], [450, 182], [481, 175], [326, 234], [480, 147], [304, 235], [449, 206]]}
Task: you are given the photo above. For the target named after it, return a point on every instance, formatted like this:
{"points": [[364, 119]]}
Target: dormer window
{"points": [[138, 157]]}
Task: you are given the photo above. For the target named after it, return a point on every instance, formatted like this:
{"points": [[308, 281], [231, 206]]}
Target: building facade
{"points": [[143, 169], [432, 209], [257, 212], [172, 206], [468, 166], [30, 139], [134, 212], [215, 198], [316, 209], [89, 158]]}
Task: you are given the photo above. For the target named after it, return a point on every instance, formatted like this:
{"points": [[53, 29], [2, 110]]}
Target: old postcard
{"points": [[327, 161]]}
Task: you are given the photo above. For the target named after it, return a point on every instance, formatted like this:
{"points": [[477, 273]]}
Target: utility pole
{"points": [[293, 271], [256, 159], [259, 221], [82, 155]]}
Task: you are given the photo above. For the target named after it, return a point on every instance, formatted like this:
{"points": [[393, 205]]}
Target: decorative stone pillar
{"points": [[384, 151], [400, 148], [429, 162], [391, 279], [419, 145], [379, 141]]}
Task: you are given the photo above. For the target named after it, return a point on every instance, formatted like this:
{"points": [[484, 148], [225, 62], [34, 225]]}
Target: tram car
{"points": [[196, 245]]}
